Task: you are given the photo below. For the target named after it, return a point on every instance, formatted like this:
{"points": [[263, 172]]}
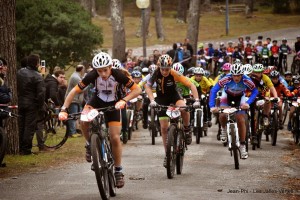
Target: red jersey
{"points": [[274, 49]]}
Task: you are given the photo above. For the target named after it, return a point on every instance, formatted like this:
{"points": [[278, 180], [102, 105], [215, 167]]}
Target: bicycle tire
{"points": [[180, 154], [198, 128], [171, 151], [54, 134], [285, 109], [234, 148], [111, 174], [274, 129], [101, 171], [152, 125], [295, 129], [3, 144]]}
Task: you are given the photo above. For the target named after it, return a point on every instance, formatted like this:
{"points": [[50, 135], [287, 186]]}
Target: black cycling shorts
{"points": [[166, 101], [110, 116]]}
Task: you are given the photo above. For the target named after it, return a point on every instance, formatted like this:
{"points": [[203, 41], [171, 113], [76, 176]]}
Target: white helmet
{"points": [[101, 60], [258, 67], [178, 67], [199, 70], [145, 70], [248, 69], [236, 69], [116, 64], [237, 61], [152, 68], [165, 61]]}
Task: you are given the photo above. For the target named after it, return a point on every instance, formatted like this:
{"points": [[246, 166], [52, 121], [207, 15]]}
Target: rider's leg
{"points": [[114, 135], [240, 119], [164, 124]]}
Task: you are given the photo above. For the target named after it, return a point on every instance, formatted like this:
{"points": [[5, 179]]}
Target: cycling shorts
{"points": [[166, 101], [232, 101], [112, 118]]}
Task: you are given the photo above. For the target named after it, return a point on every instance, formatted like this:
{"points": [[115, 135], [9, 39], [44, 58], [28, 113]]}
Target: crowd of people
{"points": [[171, 75]]}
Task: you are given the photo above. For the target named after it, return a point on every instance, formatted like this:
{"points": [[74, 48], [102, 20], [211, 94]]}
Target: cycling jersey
{"points": [[230, 49], [205, 84], [282, 90], [219, 77], [284, 48], [144, 81], [263, 85], [185, 91], [234, 89], [274, 49], [107, 90], [258, 49], [265, 51], [248, 51], [283, 81], [167, 85]]}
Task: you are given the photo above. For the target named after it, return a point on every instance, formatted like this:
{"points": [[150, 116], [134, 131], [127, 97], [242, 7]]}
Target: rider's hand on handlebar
{"points": [[245, 106], [214, 109], [63, 115], [120, 104], [196, 104], [153, 103]]}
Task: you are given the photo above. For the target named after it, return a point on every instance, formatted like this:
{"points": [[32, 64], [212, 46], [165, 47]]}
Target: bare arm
{"points": [[149, 92], [273, 91]]}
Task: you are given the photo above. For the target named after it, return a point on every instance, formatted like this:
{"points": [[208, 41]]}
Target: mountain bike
{"points": [[54, 134], [101, 151], [295, 121], [176, 139], [285, 108], [272, 129], [154, 125], [284, 61], [232, 134], [3, 136]]}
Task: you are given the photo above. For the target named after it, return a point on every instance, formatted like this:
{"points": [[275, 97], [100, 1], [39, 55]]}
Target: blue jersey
{"points": [[234, 89]]}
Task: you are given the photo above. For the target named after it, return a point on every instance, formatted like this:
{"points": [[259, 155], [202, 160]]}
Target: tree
{"points": [[193, 23], [8, 52], [139, 32], [182, 7], [117, 18], [89, 6], [158, 22], [281, 7], [60, 31], [249, 7]]}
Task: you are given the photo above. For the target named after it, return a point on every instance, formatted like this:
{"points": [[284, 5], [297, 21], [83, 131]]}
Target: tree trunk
{"points": [[249, 7], [206, 6], [108, 11], [193, 23], [182, 7], [89, 5], [147, 22], [158, 22], [8, 52], [117, 19]]}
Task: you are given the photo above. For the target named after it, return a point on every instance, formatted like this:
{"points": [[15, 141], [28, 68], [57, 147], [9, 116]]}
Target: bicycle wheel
{"points": [[111, 174], [3, 144], [180, 154], [55, 133], [98, 152], [274, 129], [152, 125], [198, 128], [285, 109], [295, 128], [171, 151], [234, 148]]}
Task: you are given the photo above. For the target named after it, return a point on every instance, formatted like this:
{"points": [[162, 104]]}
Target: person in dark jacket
{"points": [[52, 83], [5, 92], [31, 98]]}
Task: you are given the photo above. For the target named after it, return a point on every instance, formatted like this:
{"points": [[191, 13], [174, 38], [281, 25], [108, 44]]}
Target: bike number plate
{"points": [[89, 116], [173, 113]]}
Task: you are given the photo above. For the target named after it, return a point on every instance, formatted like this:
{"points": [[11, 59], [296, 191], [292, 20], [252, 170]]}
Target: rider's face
{"points": [[165, 71], [198, 77], [275, 80], [257, 74], [237, 78], [104, 72]]}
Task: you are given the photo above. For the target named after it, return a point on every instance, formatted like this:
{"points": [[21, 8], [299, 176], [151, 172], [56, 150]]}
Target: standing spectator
{"points": [[189, 46], [172, 53], [52, 83], [5, 92], [31, 98], [76, 105]]}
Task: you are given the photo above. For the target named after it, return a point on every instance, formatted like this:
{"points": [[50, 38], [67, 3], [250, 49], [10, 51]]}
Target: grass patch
{"points": [[72, 151]]}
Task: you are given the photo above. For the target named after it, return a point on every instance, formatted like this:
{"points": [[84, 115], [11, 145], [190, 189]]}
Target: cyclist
{"points": [[237, 54], [264, 86], [207, 75], [248, 51], [225, 70], [296, 93], [288, 77], [284, 48], [265, 52], [166, 79], [280, 90], [137, 77], [146, 101], [106, 81], [274, 53], [234, 85], [205, 85], [248, 69]]}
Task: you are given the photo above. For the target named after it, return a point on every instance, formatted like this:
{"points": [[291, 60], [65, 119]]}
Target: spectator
{"points": [[31, 98], [189, 46], [76, 105], [5, 92], [52, 83]]}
